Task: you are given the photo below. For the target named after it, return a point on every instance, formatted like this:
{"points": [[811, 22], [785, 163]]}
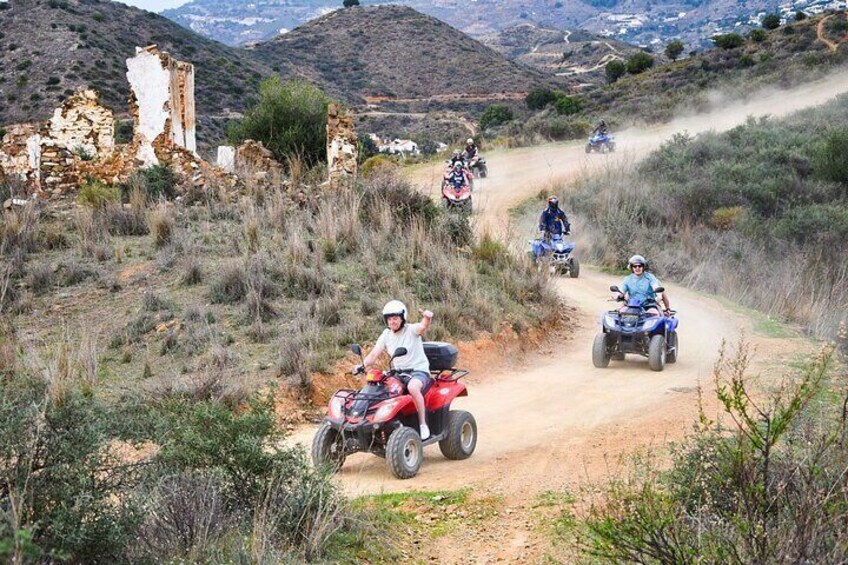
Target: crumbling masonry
{"points": [[342, 153]]}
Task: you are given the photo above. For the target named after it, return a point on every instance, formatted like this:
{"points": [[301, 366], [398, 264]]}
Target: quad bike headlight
{"points": [[384, 411], [336, 413], [609, 320]]}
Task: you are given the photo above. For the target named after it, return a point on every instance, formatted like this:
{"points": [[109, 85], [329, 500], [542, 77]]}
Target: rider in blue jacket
{"points": [[642, 285]]}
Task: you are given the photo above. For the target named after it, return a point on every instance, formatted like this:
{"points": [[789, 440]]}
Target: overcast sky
{"points": [[154, 5]]}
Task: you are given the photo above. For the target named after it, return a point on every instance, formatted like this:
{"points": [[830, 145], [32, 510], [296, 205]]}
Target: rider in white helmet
{"points": [[642, 284], [415, 365], [470, 149]]}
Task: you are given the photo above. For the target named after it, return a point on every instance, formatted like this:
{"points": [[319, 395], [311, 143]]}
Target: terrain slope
{"points": [[550, 421]]}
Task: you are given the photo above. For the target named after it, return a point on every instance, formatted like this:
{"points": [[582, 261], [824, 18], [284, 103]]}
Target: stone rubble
{"points": [[78, 142], [342, 153]]}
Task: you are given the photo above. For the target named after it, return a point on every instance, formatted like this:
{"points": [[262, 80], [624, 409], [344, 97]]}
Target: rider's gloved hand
{"points": [[359, 369], [667, 312]]}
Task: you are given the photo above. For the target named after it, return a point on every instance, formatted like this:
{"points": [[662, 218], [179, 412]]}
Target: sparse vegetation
{"points": [[740, 221], [496, 115], [290, 120]]}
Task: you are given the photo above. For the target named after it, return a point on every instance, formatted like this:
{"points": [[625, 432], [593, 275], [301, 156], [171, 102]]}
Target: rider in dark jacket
{"points": [[553, 220], [601, 128], [470, 149]]}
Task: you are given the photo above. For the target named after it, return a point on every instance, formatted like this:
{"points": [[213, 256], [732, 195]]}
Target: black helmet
{"points": [[553, 202], [603, 123]]}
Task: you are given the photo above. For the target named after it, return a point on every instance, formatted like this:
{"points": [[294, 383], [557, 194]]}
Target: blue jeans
{"points": [[425, 379]]}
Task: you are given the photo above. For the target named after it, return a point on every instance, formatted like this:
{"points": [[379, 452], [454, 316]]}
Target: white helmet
{"points": [[469, 141], [395, 308]]}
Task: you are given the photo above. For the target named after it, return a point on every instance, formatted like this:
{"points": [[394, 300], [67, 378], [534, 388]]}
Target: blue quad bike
{"points": [[636, 331], [558, 253], [601, 142]]}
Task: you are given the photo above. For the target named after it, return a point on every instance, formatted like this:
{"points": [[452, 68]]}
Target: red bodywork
{"points": [[444, 390]]}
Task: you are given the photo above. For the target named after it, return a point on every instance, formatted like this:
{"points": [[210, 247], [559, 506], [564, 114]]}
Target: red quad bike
{"points": [[381, 417], [456, 196]]}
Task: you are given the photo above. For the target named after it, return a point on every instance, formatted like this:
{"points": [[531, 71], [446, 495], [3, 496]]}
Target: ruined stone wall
{"points": [[254, 163], [83, 126], [342, 153], [162, 103], [20, 153]]}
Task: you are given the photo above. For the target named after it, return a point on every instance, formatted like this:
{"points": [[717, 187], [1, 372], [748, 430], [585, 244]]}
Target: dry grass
{"points": [[160, 222]]}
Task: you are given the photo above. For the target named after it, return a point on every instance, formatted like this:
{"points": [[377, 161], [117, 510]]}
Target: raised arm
{"points": [[426, 318]]}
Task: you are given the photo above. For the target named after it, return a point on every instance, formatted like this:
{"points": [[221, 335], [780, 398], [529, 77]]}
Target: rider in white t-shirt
{"points": [[415, 366]]}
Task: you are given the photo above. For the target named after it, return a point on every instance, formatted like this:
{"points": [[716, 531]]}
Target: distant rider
{"points": [[601, 128], [457, 158], [641, 284], [470, 151], [552, 221], [415, 365]]}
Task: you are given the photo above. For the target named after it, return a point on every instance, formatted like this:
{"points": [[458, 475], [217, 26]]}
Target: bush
{"points": [[771, 21], [800, 16], [378, 163], [290, 120], [496, 115], [728, 40], [98, 195], [615, 70], [674, 49], [830, 163], [639, 63], [758, 35], [568, 105], [160, 180], [538, 98]]}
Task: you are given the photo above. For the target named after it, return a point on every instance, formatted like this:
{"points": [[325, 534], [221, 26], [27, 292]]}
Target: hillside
{"points": [[394, 52], [50, 47], [638, 22], [569, 53]]}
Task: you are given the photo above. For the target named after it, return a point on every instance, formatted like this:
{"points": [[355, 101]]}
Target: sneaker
{"points": [[425, 432]]}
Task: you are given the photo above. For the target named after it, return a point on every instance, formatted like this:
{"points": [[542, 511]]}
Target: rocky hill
{"points": [[50, 47], [639, 22], [375, 52], [566, 53]]}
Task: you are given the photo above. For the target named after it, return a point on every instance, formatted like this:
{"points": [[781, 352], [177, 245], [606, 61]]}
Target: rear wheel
{"points": [[574, 269], [462, 435], [404, 453], [671, 357], [328, 447], [656, 353], [600, 355], [611, 147]]}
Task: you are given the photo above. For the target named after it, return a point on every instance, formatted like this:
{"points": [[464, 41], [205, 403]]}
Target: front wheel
{"points": [[574, 269], [672, 348], [404, 453], [612, 147], [484, 172], [656, 353], [600, 355], [328, 447], [588, 148], [461, 436]]}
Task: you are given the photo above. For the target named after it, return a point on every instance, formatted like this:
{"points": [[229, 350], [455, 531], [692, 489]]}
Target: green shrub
{"points": [[97, 194], [830, 161], [800, 16], [538, 98], [771, 21], [496, 115], [568, 105], [290, 120], [639, 63], [378, 163], [615, 70], [674, 49], [758, 35], [160, 180], [728, 40]]}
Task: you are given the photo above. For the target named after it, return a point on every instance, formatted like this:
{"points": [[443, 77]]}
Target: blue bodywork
{"points": [[601, 142], [631, 330]]}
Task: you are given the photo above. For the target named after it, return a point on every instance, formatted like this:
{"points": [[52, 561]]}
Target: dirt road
{"points": [[551, 421]]}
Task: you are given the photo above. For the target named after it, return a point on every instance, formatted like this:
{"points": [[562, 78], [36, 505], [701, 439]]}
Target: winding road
{"points": [[547, 419]]}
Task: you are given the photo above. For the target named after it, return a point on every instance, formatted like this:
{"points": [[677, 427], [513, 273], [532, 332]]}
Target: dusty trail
{"points": [[552, 421]]}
